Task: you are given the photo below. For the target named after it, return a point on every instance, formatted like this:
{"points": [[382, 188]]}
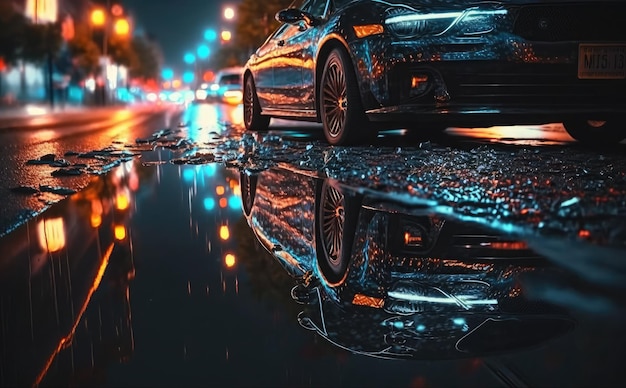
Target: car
{"points": [[227, 86], [359, 66], [386, 278]]}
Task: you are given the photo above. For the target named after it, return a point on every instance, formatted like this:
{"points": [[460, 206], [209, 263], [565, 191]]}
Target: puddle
{"points": [[157, 274]]}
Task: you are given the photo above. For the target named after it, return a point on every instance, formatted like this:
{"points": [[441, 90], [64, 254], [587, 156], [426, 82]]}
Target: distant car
{"points": [[227, 86], [358, 66]]}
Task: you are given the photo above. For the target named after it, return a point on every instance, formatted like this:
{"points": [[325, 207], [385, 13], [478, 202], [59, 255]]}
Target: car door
{"points": [[262, 65], [294, 58], [320, 9]]}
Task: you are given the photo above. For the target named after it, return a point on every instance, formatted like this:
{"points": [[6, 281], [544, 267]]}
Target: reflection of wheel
{"points": [[596, 132], [247, 183], [252, 117], [341, 111], [335, 226]]}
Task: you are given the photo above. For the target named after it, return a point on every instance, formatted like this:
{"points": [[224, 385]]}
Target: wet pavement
{"points": [[202, 259]]}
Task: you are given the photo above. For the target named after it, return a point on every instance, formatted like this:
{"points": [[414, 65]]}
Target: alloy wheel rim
{"points": [[335, 99], [247, 191], [333, 218]]}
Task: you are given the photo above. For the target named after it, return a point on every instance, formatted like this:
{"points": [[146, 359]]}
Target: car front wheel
{"points": [[252, 117], [341, 111], [596, 132]]}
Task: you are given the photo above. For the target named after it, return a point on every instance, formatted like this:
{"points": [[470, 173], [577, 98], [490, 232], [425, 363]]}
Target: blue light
{"points": [[210, 35], [188, 175], [209, 204], [188, 76], [459, 321], [420, 327], [210, 169], [203, 51], [189, 58], [167, 74], [234, 202]]}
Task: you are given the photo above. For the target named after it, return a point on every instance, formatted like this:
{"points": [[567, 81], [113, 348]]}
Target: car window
{"points": [[316, 7], [230, 79], [299, 4]]}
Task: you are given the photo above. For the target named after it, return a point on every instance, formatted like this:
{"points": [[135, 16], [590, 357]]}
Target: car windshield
{"points": [[230, 79]]}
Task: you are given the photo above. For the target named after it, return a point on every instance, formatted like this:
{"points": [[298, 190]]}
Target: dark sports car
{"points": [[358, 66]]}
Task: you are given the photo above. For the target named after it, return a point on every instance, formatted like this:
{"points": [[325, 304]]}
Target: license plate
{"points": [[601, 61]]}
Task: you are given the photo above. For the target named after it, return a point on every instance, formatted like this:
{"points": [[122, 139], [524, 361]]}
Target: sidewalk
{"points": [[34, 109], [42, 115]]}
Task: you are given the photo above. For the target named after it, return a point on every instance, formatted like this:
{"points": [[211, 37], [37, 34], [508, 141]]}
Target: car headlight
{"points": [[408, 23]]}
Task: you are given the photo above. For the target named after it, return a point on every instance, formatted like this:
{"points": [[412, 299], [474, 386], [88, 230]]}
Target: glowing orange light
{"points": [[66, 339], [226, 35], [120, 232], [176, 83], [219, 190], [223, 202], [98, 17], [508, 245], [51, 234], [42, 11], [96, 220], [583, 233], [229, 260], [122, 201], [367, 30], [208, 76], [370, 301], [224, 232], [121, 27], [117, 10]]}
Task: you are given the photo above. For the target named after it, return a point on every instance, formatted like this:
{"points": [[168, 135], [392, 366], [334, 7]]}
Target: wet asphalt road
{"points": [[158, 279]]}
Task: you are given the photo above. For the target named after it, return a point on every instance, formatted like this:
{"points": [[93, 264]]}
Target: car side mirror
{"points": [[294, 16]]}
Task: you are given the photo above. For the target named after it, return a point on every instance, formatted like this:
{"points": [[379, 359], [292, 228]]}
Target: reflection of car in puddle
{"points": [[388, 279]]}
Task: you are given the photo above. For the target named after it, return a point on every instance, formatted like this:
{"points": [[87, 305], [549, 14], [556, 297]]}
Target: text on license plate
{"points": [[601, 61]]}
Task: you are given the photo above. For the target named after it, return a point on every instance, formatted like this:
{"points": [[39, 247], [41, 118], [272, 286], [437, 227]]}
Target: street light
{"points": [[229, 13], [121, 27], [226, 35], [105, 19], [210, 35]]}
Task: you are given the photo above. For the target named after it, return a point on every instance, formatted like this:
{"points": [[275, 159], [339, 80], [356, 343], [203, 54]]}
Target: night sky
{"points": [[178, 25]]}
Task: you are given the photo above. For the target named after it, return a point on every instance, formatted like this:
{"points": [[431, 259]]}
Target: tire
{"points": [[596, 132], [336, 220], [252, 117], [247, 183], [341, 109]]}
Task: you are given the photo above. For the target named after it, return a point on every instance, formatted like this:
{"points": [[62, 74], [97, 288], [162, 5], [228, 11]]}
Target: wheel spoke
{"points": [[333, 219]]}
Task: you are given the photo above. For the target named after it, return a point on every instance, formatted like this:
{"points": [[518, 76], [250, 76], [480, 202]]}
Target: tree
{"points": [[84, 51], [255, 21], [148, 58], [12, 27]]}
